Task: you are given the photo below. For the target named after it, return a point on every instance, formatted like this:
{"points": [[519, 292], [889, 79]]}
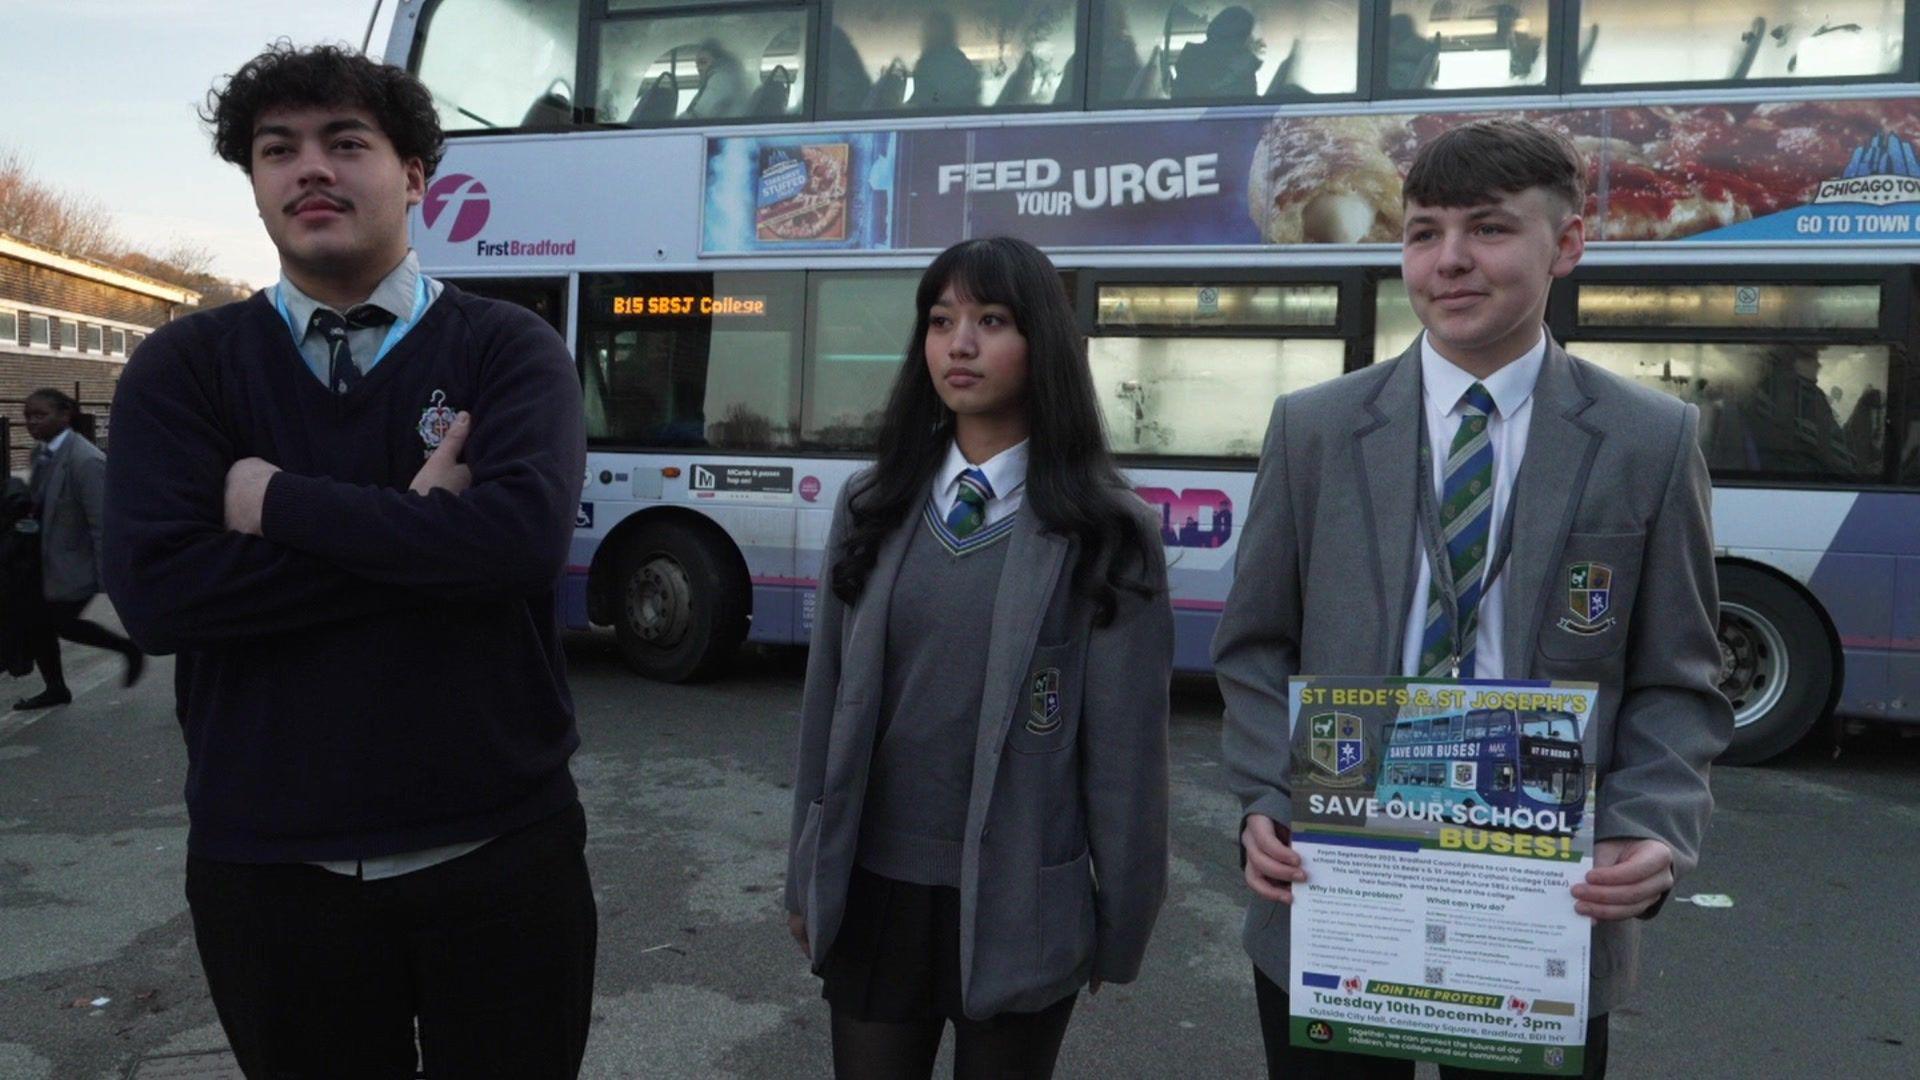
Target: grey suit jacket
{"points": [[74, 502], [1064, 859], [1612, 474]]}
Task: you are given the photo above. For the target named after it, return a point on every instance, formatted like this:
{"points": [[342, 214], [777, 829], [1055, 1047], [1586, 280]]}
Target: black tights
{"points": [[1011, 1046]]}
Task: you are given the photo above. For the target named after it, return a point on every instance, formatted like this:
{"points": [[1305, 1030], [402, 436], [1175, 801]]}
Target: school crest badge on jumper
{"points": [[435, 420], [1044, 717], [1589, 599], [1337, 749]]}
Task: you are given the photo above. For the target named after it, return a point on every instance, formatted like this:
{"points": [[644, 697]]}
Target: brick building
{"points": [[67, 321]]}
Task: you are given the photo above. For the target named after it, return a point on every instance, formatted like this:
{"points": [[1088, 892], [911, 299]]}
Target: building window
{"points": [[1659, 41], [747, 65], [39, 331], [888, 56], [501, 63], [69, 334], [1433, 47], [133, 342], [1280, 50], [95, 339], [9, 329], [117, 343]]}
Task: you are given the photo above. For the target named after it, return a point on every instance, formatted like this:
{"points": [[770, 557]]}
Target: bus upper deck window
{"points": [[500, 63], [883, 56], [1276, 50], [1433, 47], [1662, 41], [718, 66]]}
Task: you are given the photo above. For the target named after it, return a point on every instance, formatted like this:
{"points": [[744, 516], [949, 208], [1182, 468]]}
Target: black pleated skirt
{"points": [[897, 956]]}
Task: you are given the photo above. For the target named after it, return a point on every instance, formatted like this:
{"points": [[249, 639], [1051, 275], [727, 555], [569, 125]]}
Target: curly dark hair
{"points": [[323, 75]]}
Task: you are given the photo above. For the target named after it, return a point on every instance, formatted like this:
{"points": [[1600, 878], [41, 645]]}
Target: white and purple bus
{"points": [[724, 207]]}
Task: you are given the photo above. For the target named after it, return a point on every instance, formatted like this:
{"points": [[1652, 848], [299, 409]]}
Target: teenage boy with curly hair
{"points": [[345, 503]]}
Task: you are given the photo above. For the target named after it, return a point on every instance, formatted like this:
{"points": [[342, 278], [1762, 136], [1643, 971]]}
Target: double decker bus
{"points": [[1494, 758], [724, 207]]}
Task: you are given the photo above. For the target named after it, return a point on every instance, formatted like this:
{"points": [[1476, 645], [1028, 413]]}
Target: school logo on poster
{"points": [[1337, 748], [1589, 598], [1044, 717]]}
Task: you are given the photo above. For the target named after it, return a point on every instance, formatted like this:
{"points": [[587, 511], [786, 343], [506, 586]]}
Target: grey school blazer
{"points": [[1064, 860], [74, 500], [1612, 474]]}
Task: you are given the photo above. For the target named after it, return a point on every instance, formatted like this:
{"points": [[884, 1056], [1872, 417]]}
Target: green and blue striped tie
{"points": [[1466, 518], [969, 510]]}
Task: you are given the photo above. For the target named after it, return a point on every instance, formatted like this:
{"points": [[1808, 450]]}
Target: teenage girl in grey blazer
{"points": [[980, 801]]}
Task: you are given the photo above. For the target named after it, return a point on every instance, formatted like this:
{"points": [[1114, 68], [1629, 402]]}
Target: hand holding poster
{"points": [[1442, 825]]}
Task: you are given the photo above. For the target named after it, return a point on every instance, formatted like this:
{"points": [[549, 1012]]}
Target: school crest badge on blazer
{"points": [[1337, 749], [1589, 599], [435, 420], [1044, 716]]}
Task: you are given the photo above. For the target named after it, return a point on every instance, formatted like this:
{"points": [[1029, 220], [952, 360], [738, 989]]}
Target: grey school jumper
{"points": [[937, 628]]}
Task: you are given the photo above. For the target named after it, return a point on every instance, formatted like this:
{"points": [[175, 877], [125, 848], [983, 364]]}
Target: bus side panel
{"points": [[1878, 543], [1198, 513], [1903, 655], [1853, 589]]}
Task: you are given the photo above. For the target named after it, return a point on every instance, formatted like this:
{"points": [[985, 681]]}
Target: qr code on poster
{"points": [[1436, 975], [1436, 933], [1556, 967]]}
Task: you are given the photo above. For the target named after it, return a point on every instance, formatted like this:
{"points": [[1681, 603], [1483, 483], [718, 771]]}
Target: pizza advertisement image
{"points": [[803, 193], [795, 193], [1699, 172], [1442, 824]]}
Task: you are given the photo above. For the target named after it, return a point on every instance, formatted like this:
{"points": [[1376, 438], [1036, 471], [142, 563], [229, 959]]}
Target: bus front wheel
{"points": [[1776, 664], [682, 609]]}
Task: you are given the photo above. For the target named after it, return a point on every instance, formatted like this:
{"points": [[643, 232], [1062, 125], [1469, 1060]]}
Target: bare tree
{"points": [[42, 214]]}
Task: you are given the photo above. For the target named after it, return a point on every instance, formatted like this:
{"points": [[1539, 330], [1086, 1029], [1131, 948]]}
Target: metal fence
{"points": [[16, 446]]}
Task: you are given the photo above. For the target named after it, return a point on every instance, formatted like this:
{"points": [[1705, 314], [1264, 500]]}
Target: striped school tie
{"points": [[970, 504], [342, 373], [1466, 518]]}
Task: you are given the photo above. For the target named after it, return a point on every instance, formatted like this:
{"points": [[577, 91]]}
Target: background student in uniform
{"points": [[984, 728], [68, 487], [1586, 469]]}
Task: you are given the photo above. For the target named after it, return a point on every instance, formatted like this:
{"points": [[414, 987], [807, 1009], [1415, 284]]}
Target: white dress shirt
{"points": [[1441, 387], [54, 444], [1006, 474]]}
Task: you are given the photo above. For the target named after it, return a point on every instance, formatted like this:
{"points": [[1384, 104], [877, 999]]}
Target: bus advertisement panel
{"points": [[1830, 171]]}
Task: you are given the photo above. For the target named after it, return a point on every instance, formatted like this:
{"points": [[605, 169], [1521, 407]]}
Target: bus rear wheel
{"points": [[682, 609], [1776, 664]]}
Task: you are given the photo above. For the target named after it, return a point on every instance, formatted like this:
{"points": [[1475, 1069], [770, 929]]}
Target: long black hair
{"points": [[1072, 485]]}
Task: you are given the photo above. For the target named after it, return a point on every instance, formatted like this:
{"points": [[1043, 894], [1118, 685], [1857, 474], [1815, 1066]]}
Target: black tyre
{"points": [[1776, 663], [681, 607]]}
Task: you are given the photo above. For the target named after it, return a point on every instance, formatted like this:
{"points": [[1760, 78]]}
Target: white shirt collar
{"points": [[1006, 471], [54, 445], [1510, 387]]}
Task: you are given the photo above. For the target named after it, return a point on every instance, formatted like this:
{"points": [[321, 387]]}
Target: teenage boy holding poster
{"points": [[1334, 578]]}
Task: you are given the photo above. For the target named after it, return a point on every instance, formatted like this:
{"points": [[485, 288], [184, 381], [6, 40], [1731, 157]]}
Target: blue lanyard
{"points": [[394, 334]]}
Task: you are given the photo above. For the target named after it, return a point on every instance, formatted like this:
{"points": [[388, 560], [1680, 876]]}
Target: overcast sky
{"points": [[100, 94]]}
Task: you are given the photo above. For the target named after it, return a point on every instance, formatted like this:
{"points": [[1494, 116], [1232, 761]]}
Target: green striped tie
{"points": [[1466, 519]]}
